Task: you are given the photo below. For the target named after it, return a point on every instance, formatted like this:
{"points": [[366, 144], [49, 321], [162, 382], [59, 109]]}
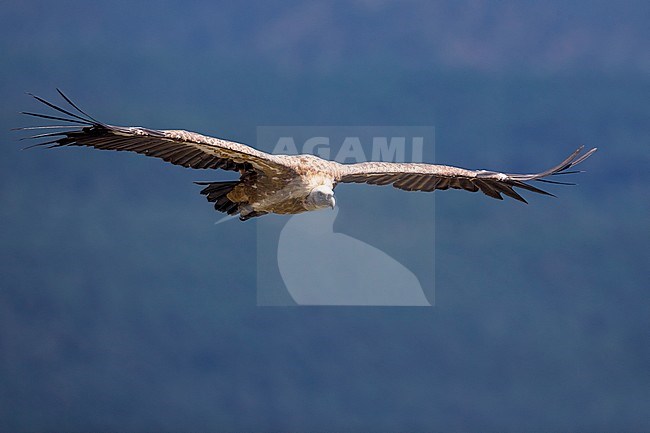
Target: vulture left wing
{"points": [[429, 177]]}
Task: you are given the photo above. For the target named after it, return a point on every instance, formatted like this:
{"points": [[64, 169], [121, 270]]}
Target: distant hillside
{"points": [[490, 36]]}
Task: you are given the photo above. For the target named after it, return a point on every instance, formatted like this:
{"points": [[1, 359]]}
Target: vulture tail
{"points": [[217, 193]]}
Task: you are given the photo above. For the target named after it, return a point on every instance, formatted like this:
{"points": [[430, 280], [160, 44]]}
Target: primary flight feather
{"points": [[281, 184]]}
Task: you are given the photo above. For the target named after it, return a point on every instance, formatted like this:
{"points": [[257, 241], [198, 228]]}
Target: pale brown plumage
{"points": [[279, 183]]}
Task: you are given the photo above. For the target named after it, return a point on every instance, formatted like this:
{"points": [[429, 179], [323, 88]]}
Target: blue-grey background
{"points": [[123, 308]]}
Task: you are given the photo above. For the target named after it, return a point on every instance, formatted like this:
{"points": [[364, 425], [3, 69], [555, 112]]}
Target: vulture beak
{"points": [[332, 202]]}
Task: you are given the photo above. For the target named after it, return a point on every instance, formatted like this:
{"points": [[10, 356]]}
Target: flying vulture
{"points": [[281, 184]]}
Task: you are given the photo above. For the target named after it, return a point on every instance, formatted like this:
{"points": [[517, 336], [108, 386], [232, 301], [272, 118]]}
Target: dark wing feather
{"points": [[184, 148], [429, 177]]}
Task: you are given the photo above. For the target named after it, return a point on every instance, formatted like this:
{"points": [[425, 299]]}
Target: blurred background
{"points": [[123, 308]]}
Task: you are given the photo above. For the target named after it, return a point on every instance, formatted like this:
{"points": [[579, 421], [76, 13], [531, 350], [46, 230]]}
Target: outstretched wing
{"points": [[429, 177], [179, 147]]}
